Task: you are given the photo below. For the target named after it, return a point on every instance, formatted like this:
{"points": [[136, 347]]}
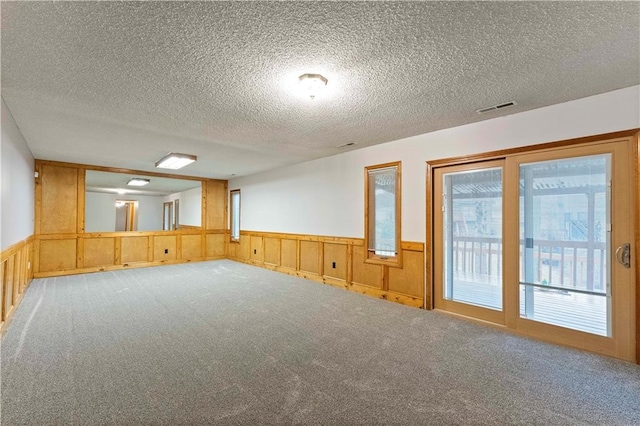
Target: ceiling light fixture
{"points": [[312, 84], [138, 182], [175, 161]]}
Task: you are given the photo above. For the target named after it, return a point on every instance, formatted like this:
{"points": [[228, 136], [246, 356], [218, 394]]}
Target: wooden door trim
{"points": [[480, 157]]}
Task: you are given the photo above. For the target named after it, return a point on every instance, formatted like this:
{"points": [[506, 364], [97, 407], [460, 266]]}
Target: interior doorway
{"points": [[167, 216], [126, 215]]}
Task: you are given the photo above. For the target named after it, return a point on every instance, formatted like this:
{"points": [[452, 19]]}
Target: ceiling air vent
{"points": [[346, 145], [496, 107]]}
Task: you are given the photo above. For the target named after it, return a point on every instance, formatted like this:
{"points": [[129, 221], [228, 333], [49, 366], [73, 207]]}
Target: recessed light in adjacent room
{"points": [[138, 182], [175, 161]]}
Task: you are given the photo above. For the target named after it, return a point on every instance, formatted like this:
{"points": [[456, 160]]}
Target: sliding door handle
{"points": [[623, 255]]}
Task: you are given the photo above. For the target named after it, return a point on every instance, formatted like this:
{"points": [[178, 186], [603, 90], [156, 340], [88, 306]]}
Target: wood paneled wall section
{"points": [[335, 261], [58, 200], [16, 273], [61, 246]]}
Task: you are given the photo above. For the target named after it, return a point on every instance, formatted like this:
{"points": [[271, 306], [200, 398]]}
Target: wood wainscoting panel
{"points": [[309, 257], [9, 265], [313, 257], [365, 273], [15, 277], [335, 261], [134, 249], [216, 205], [289, 254], [239, 250], [164, 247], [58, 199], [24, 258], [234, 249], [272, 251], [17, 272], [245, 247], [3, 290], [410, 279], [215, 244], [191, 247], [21, 264], [99, 252], [387, 295], [57, 255], [256, 249]]}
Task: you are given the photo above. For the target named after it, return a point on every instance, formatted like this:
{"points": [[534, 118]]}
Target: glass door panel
{"points": [[473, 237], [565, 220], [468, 228]]}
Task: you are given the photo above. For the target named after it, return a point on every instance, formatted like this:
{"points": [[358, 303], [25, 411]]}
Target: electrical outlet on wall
{"points": [[166, 251]]}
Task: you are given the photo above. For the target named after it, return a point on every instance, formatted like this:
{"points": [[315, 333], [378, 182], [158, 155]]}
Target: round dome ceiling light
{"points": [[312, 84]]}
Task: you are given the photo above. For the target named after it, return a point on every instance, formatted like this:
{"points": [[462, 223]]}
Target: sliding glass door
{"points": [[539, 243]]}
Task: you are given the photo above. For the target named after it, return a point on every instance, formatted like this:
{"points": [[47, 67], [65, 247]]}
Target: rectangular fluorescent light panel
{"points": [[175, 161], [138, 182]]}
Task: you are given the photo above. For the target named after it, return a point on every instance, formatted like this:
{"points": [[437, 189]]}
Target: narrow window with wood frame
{"points": [[382, 214], [235, 215]]}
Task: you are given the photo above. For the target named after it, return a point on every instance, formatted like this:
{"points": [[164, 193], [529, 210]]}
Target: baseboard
{"points": [[132, 265]]}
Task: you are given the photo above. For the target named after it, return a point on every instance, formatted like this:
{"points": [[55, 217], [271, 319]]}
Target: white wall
{"points": [[149, 211], [100, 211], [18, 183], [190, 206], [326, 196]]}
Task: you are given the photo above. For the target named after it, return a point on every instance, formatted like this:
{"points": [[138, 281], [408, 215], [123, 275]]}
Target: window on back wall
{"points": [[382, 214], [235, 215]]}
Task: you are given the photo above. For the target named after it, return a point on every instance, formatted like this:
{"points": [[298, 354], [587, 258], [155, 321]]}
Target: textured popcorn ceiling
{"points": [[123, 83]]}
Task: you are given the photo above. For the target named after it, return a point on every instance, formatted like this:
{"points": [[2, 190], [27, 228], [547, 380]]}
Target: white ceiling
{"points": [[123, 83]]}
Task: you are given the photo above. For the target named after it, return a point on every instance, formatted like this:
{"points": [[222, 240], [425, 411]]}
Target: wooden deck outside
{"points": [[584, 312], [477, 265]]}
